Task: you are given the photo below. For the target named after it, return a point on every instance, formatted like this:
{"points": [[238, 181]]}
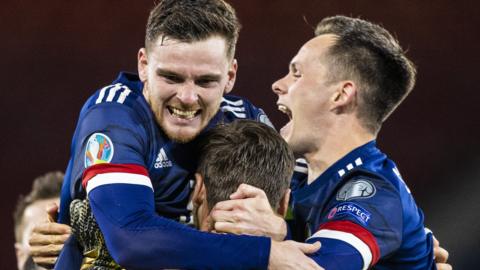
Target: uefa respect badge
{"points": [[99, 149], [350, 209]]}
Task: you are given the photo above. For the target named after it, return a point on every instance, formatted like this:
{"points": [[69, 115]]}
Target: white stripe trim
{"points": [[233, 109], [350, 239], [234, 103], [124, 95], [301, 169], [102, 94], [358, 161], [239, 115], [112, 92], [118, 178], [349, 166], [302, 160], [341, 172]]}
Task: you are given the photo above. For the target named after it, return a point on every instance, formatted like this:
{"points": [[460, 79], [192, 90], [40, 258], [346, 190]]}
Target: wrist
{"points": [[271, 257], [280, 229]]}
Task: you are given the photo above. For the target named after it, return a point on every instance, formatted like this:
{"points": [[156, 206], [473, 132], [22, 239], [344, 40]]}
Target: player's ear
{"points": [[232, 75], [345, 97], [142, 62], [198, 195], [283, 207]]}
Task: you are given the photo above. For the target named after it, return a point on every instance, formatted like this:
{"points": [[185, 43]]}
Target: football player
{"points": [[341, 86]]}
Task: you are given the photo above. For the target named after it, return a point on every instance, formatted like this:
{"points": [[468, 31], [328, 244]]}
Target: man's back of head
{"points": [[245, 152]]}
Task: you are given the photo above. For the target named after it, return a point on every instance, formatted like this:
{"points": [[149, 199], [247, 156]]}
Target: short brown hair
{"points": [[44, 187], [245, 151], [370, 54], [193, 20]]}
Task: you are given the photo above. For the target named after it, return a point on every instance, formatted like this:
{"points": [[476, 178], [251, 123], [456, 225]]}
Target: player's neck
{"points": [[337, 142]]}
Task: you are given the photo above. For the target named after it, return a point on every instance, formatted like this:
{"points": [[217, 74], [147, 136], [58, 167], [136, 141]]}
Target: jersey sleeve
{"points": [[111, 134], [107, 133], [137, 238], [363, 220], [111, 145]]}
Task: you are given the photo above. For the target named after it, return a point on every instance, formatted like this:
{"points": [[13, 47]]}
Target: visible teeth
{"points": [[285, 110], [182, 113]]}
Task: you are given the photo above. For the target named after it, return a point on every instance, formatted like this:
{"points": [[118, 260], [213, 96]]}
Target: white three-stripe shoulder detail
{"points": [[237, 113], [111, 92], [124, 95], [233, 103], [102, 94]]}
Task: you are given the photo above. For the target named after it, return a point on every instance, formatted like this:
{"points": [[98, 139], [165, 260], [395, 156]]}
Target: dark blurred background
{"points": [[56, 53]]}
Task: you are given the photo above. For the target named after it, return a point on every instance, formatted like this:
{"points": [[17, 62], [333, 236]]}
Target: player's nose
{"points": [[188, 94], [280, 86]]}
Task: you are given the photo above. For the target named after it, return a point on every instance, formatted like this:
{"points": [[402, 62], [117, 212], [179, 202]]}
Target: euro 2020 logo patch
{"points": [[99, 150]]}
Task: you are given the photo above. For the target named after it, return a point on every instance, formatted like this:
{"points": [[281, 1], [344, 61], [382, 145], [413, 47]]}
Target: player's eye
{"points": [[172, 79], [297, 75], [206, 83]]}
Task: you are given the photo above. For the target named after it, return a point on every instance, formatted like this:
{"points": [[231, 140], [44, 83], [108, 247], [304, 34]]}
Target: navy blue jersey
{"points": [[135, 178], [362, 212]]}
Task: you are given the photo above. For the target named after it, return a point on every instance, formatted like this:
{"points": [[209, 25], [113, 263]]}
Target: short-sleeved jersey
{"points": [[118, 117], [362, 201]]}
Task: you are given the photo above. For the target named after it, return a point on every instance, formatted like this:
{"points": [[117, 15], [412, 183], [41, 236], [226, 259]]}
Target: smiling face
{"points": [[305, 94], [184, 83]]}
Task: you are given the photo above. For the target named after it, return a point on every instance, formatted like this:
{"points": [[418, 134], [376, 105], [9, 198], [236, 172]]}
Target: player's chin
{"points": [[286, 131], [293, 140], [183, 130], [183, 134]]}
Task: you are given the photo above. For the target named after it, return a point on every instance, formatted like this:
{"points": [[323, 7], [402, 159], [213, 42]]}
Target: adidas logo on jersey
{"points": [[162, 160]]}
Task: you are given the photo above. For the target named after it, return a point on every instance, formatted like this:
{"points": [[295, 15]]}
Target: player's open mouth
{"points": [[183, 114], [286, 130], [285, 110]]}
